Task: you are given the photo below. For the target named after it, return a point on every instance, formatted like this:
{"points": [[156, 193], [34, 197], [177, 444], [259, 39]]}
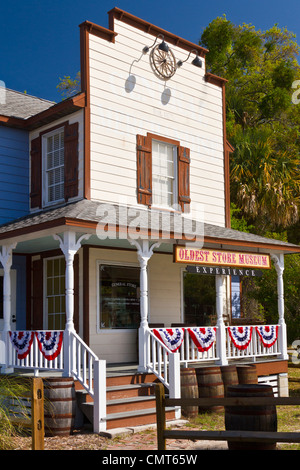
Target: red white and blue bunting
{"points": [[21, 341], [50, 343], [267, 334], [170, 337], [203, 338], [240, 336]]}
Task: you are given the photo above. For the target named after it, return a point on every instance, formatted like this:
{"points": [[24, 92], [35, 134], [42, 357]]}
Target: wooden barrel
{"points": [[229, 377], [210, 385], [60, 406], [251, 418], [189, 389], [247, 374]]}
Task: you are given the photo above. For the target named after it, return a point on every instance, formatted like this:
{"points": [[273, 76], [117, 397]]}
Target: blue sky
{"points": [[39, 39]]}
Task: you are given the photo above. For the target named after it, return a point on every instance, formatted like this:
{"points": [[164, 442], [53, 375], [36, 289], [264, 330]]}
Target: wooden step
{"points": [[130, 401], [136, 418], [129, 418]]}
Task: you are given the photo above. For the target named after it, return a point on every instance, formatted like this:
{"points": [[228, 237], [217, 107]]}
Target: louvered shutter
{"points": [[144, 170], [183, 177], [36, 173], [71, 161]]}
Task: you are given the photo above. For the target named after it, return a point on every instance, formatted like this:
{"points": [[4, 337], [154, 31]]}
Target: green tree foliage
{"points": [[69, 86], [262, 122]]}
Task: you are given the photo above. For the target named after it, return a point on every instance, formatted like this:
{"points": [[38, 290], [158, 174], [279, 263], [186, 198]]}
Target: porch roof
{"points": [[83, 216]]}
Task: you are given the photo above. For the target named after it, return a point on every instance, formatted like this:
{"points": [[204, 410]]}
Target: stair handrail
{"points": [[168, 366], [90, 372]]}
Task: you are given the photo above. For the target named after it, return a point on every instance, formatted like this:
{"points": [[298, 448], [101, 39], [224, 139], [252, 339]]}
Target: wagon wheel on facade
{"points": [[163, 63]]}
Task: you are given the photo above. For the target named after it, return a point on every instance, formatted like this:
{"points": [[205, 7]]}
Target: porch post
{"points": [[69, 246], [145, 251], [221, 330], [6, 261], [282, 334]]}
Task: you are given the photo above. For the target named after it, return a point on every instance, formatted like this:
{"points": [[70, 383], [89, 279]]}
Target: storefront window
{"points": [[199, 299], [119, 296]]}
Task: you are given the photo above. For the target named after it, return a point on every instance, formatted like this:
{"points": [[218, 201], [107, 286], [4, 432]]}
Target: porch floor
{"points": [[117, 369]]}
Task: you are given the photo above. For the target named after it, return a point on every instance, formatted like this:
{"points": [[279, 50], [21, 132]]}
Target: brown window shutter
{"points": [[71, 160], [36, 173], [184, 177], [144, 170], [37, 294]]}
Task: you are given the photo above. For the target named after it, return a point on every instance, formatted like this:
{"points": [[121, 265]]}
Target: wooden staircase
{"points": [[130, 400]]}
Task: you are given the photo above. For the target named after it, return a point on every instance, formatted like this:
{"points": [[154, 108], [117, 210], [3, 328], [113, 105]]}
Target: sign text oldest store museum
{"points": [[224, 260]]}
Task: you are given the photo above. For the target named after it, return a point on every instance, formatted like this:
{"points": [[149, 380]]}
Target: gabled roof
{"points": [[21, 105], [84, 215], [28, 112]]}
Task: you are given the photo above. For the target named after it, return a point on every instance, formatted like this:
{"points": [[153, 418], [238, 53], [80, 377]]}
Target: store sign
{"points": [[221, 258], [224, 271]]}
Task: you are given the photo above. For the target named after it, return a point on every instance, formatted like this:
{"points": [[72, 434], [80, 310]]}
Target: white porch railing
{"points": [[34, 360], [164, 365], [158, 355], [254, 350], [91, 373], [80, 360]]}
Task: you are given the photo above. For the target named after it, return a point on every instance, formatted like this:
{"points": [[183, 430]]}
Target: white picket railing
{"points": [[34, 360], [158, 357], [91, 373], [80, 360], [164, 365], [254, 350]]}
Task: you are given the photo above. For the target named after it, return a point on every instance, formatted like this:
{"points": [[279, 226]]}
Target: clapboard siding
{"points": [[14, 174], [185, 108]]}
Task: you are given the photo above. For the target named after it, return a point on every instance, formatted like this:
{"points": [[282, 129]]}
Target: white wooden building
{"points": [[129, 185]]}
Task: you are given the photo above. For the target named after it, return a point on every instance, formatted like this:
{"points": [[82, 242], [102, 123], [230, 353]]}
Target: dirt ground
{"points": [[130, 441]]}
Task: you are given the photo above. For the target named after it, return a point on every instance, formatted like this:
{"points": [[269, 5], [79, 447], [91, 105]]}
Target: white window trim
{"points": [[45, 309], [45, 202], [110, 263], [175, 191]]}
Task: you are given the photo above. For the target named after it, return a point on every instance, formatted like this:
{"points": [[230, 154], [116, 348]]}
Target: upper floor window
{"points": [[163, 173], [53, 146], [54, 166]]}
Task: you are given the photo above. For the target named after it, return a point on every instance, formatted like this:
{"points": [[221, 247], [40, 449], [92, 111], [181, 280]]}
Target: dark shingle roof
{"points": [[86, 211], [20, 105]]}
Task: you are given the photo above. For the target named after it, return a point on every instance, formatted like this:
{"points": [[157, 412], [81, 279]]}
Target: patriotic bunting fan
{"points": [[268, 334], [240, 336], [203, 338], [171, 337], [50, 343], [21, 341]]}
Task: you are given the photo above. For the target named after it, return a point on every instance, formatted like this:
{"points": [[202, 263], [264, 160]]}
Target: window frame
{"points": [[45, 202], [98, 293], [174, 205], [182, 199], [45, 303]]}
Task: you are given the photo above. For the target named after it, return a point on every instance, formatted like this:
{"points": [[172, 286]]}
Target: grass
{"points": [[288, 417]]}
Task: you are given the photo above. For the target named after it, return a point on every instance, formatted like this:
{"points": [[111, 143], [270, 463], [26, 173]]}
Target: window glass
{"points": [[199, 299], [55, 293], [119, 296], [54, 166], [164, 157]]}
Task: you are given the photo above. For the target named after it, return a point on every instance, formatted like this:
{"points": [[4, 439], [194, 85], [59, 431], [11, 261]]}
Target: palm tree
{"points": [[265, 180]]}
